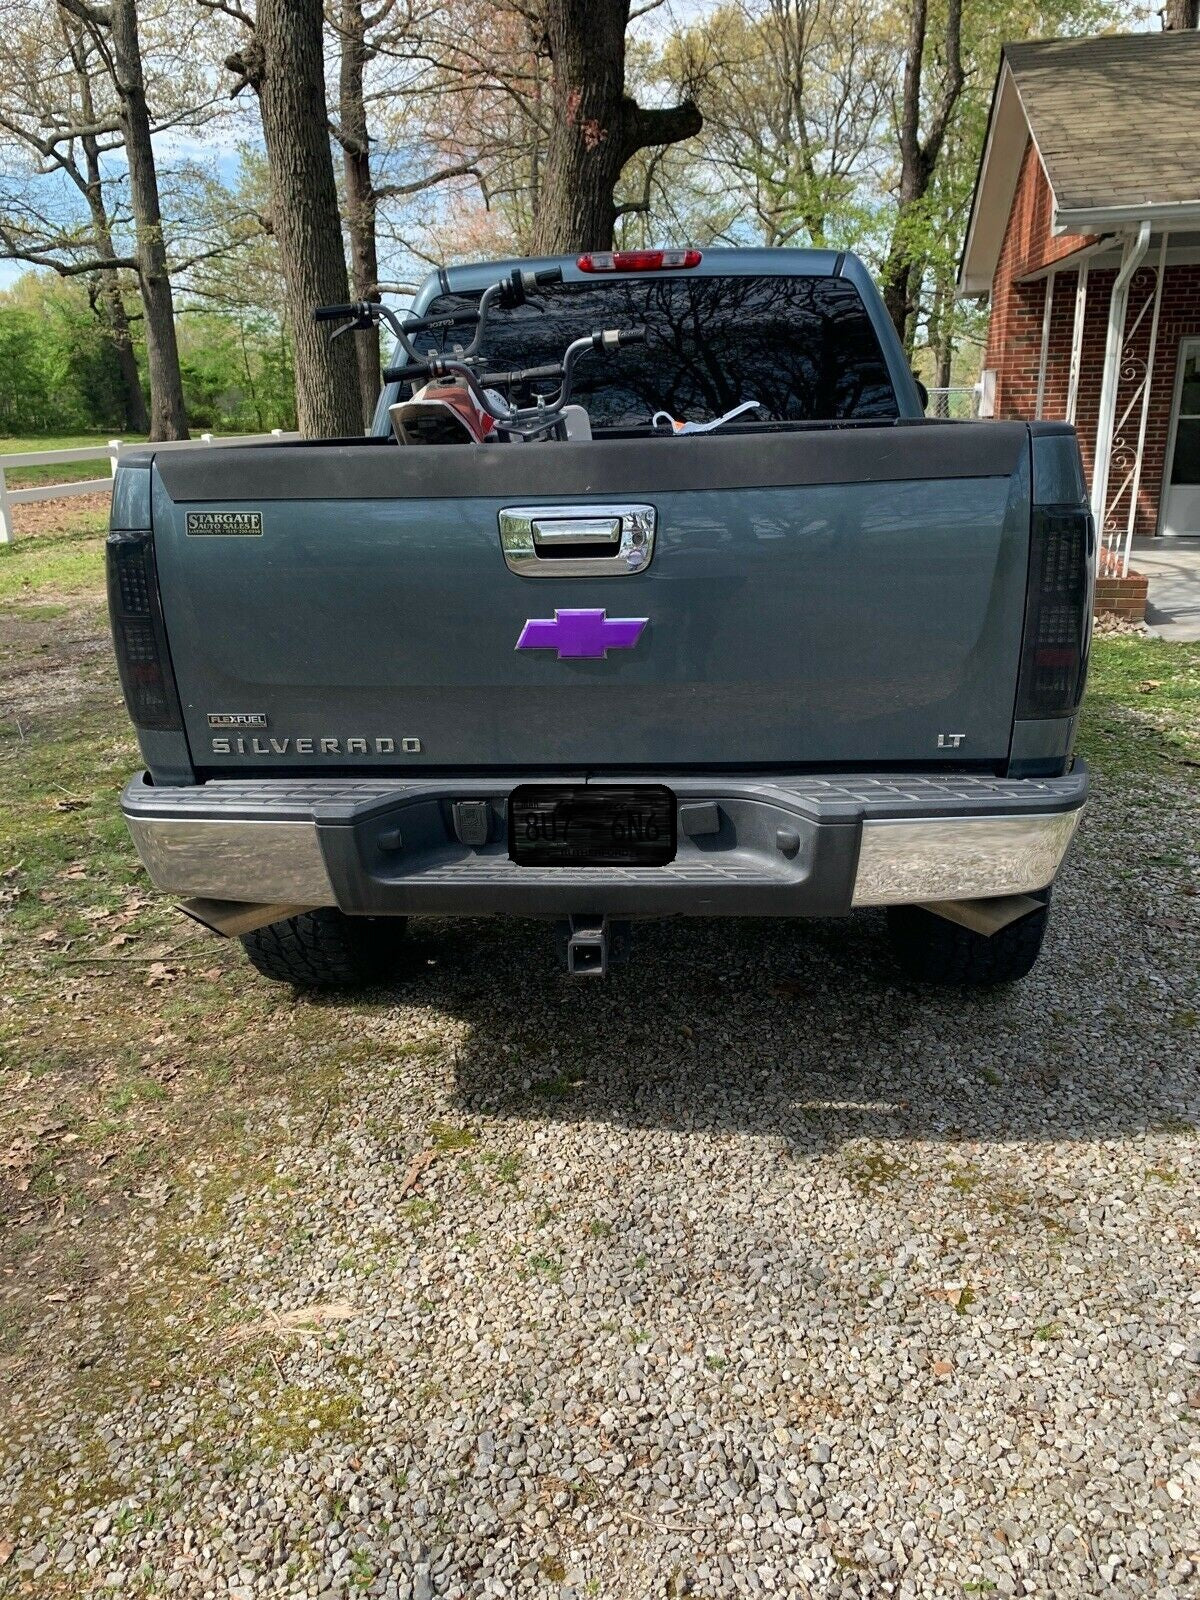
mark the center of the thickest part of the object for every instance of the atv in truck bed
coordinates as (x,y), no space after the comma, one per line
(586,666)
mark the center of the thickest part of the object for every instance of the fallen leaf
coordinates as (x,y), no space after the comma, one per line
(789,988)
(6,1549)
(50,935)
(416,1167)
(158,972)
(298,1320)
(118,941)
(70,805)
(1148,685)
(943,1368)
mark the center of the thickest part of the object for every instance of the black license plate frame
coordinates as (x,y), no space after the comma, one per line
(592,825)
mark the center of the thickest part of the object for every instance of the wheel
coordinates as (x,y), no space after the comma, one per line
(932,950)
(325,949)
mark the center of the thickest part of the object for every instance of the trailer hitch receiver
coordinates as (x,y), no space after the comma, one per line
(592,943)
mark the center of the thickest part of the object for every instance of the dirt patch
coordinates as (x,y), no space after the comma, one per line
(58,516)
(54,654)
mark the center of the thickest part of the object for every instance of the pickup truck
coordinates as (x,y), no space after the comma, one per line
(827,656)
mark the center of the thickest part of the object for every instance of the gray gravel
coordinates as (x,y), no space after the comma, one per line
(754,1271)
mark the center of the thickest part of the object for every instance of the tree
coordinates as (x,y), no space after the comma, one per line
(1181,14)
(919,148)
(792,93)
(595,127)
(50,55)
(363,39)
(114,28)
(284,63)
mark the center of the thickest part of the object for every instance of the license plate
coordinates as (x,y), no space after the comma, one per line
(619,825)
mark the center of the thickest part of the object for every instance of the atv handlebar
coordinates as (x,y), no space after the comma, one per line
(508,293)
(600,339)
(335,313)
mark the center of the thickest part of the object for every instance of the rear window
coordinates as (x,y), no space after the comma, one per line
(803,347)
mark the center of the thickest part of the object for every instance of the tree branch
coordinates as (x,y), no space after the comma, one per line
(666,125)
(398,191)
(231,9)
(65,269)
(96,16)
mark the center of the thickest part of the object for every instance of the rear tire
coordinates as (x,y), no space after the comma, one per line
(325,949)
(932,950)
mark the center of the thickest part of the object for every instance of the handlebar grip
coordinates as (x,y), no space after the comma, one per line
(614,338)
(405,374)
(333,313)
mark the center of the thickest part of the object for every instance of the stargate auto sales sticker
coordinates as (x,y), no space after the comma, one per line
(235,522)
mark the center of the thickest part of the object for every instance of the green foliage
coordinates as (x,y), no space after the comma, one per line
(237,372)
(61,373)
(60,368)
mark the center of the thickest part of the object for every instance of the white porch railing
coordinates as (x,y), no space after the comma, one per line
(62,491)
(960,400)
(1128,381)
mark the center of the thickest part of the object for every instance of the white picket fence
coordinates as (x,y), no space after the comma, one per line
(63,491)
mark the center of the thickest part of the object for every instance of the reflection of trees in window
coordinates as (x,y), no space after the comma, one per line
(803,347)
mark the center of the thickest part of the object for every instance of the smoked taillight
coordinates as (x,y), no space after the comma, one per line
(637,260)
(1058,612)
(139,637)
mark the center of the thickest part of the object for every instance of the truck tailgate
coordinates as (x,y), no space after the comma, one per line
(824,597)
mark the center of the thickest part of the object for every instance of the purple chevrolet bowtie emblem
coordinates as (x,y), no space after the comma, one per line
(581,634)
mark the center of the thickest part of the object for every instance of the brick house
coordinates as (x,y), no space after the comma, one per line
(1084,234)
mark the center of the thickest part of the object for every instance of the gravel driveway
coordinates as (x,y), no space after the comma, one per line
(752,1271)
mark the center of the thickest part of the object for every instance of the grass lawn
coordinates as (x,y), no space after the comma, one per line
(1142,711)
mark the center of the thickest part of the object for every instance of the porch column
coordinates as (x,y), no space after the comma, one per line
(1077,339)
(1131,259)
(1046,309)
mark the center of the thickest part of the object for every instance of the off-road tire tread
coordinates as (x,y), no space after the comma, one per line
(324,949)
(932,950)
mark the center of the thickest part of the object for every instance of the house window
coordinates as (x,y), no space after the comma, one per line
(1181,508)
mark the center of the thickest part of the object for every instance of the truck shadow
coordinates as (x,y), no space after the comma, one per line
(805,1032)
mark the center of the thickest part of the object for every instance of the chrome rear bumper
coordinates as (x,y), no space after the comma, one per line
(749,844)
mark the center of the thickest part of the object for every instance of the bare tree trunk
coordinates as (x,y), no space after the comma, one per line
(359,194)
(137,418)
(284,64)
(595,126)
(941,331)
(918,157)
(168,419)
(1181,14)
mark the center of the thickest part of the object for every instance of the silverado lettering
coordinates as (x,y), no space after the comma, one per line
(303,746)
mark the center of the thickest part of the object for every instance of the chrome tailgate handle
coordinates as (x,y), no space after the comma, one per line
(545,541)
(576,530)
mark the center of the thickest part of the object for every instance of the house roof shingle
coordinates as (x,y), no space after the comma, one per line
(1115,119)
